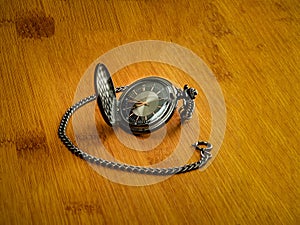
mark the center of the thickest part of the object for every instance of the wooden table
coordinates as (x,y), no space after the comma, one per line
(252,47)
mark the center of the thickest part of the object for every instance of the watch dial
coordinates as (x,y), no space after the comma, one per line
(147,104)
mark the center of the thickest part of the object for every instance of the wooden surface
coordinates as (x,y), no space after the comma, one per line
(251,46)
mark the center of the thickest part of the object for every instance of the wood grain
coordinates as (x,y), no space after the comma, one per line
(251,46)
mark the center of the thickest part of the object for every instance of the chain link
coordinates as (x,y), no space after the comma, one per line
(204,152)
(121,88)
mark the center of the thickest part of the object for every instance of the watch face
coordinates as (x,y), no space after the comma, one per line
(147,104)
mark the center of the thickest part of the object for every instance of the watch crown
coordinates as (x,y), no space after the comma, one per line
(192,92)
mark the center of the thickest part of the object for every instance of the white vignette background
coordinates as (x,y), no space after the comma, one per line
(150,51)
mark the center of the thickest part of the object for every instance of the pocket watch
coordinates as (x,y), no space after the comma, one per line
(145,105)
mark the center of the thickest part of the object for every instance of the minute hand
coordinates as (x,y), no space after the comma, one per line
(138,104)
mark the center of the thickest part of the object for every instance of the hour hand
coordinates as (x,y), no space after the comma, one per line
(140,103)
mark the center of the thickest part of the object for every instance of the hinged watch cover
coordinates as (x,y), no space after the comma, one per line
(106,95)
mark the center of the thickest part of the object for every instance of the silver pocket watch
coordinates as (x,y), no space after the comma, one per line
(145,105)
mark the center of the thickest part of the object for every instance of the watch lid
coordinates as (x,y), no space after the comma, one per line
(106,95)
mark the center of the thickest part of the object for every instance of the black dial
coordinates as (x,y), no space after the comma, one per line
(147,104)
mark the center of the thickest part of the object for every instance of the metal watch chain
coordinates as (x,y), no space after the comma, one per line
(204,151)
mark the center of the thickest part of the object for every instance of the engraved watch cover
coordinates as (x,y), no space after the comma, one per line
(106,95)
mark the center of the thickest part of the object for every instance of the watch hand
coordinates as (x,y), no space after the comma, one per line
(138,104)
